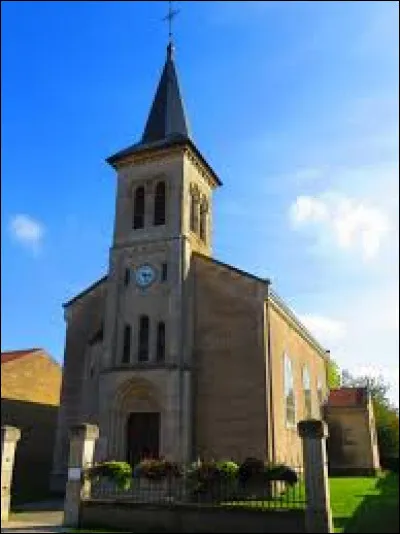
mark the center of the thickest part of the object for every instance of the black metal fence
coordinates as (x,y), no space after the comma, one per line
(255,494)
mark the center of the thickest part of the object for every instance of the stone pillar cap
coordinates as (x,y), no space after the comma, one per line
(84,431)
(10,433)
(313,429)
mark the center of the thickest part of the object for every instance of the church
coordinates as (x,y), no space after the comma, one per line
(174,353)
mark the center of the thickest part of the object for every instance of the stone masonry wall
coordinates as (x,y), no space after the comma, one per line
(229,362)
(285,337)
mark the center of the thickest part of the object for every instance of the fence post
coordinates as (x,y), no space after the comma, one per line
(9,438)
(313,433)
(81,451)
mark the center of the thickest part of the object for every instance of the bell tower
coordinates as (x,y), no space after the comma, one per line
(163,213)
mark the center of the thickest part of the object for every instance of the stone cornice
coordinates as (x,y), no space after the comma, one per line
(152,154)
(285,312)
(84,292)
(200,167)
(148,156)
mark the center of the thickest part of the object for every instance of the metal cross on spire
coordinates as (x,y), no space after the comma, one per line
(169,17)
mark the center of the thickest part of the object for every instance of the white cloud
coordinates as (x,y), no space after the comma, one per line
(27,231)
(361,329)
(306,208)
(325,329)
(351,224)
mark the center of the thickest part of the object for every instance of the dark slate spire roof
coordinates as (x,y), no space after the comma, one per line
(167,124)
(167,116)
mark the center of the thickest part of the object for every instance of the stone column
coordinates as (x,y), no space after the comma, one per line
(9,438)
(313,433)
(81,452)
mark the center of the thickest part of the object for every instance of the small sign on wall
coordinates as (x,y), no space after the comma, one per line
(74,473)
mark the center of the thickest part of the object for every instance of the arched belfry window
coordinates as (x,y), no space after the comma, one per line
(290,404)
(194,209)
(203,219)
(138,208)
(159,204)
(307,393)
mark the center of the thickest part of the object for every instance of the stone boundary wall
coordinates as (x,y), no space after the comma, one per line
(187,518)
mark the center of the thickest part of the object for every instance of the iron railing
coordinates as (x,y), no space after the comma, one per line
(268,494)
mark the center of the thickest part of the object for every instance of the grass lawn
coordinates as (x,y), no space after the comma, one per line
(365,504)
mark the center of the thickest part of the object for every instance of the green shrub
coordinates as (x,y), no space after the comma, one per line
(228,469)
(118,472)
(203,476)
(255,471)
(251,469)
(157,469)
(390,463)
(280,472)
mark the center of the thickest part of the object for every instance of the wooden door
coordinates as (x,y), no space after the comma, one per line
(143,436)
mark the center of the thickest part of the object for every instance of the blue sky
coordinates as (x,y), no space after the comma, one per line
(295,104)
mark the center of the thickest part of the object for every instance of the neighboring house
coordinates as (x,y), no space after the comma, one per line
(352,443)
(30,396)
(173,352)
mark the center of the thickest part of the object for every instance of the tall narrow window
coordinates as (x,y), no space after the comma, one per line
(159,204)
(194,210)
(127,277)
(307,393)
(143,355)
(138,208)
(164,272)
(126,354)
(203,221)
(161,341)
(289,392)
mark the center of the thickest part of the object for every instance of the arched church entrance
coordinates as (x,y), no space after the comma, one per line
(137,421)
(142,436)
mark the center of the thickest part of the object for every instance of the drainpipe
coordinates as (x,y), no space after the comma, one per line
(271,422)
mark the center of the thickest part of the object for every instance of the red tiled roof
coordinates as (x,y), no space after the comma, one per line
(11,355)
(347,397)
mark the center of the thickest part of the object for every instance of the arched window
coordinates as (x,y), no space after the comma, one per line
(307,393)
(194,209)
(159,204)
(289,392)
(161,341)
(126,352)
(138,208)
(203,220)
(143,349)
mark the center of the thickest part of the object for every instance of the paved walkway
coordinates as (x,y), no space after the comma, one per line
(43,516)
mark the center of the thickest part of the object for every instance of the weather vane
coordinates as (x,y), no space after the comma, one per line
(169,17)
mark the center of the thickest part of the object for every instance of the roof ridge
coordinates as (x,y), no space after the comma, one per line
(35,349)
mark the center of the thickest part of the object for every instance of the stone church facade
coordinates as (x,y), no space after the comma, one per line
(174,353)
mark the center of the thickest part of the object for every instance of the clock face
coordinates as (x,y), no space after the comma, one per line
(145,275)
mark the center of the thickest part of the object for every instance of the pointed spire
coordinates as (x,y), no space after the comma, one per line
(167,116)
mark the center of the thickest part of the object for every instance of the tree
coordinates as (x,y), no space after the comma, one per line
(386,415)
(376,386)
(333,375)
